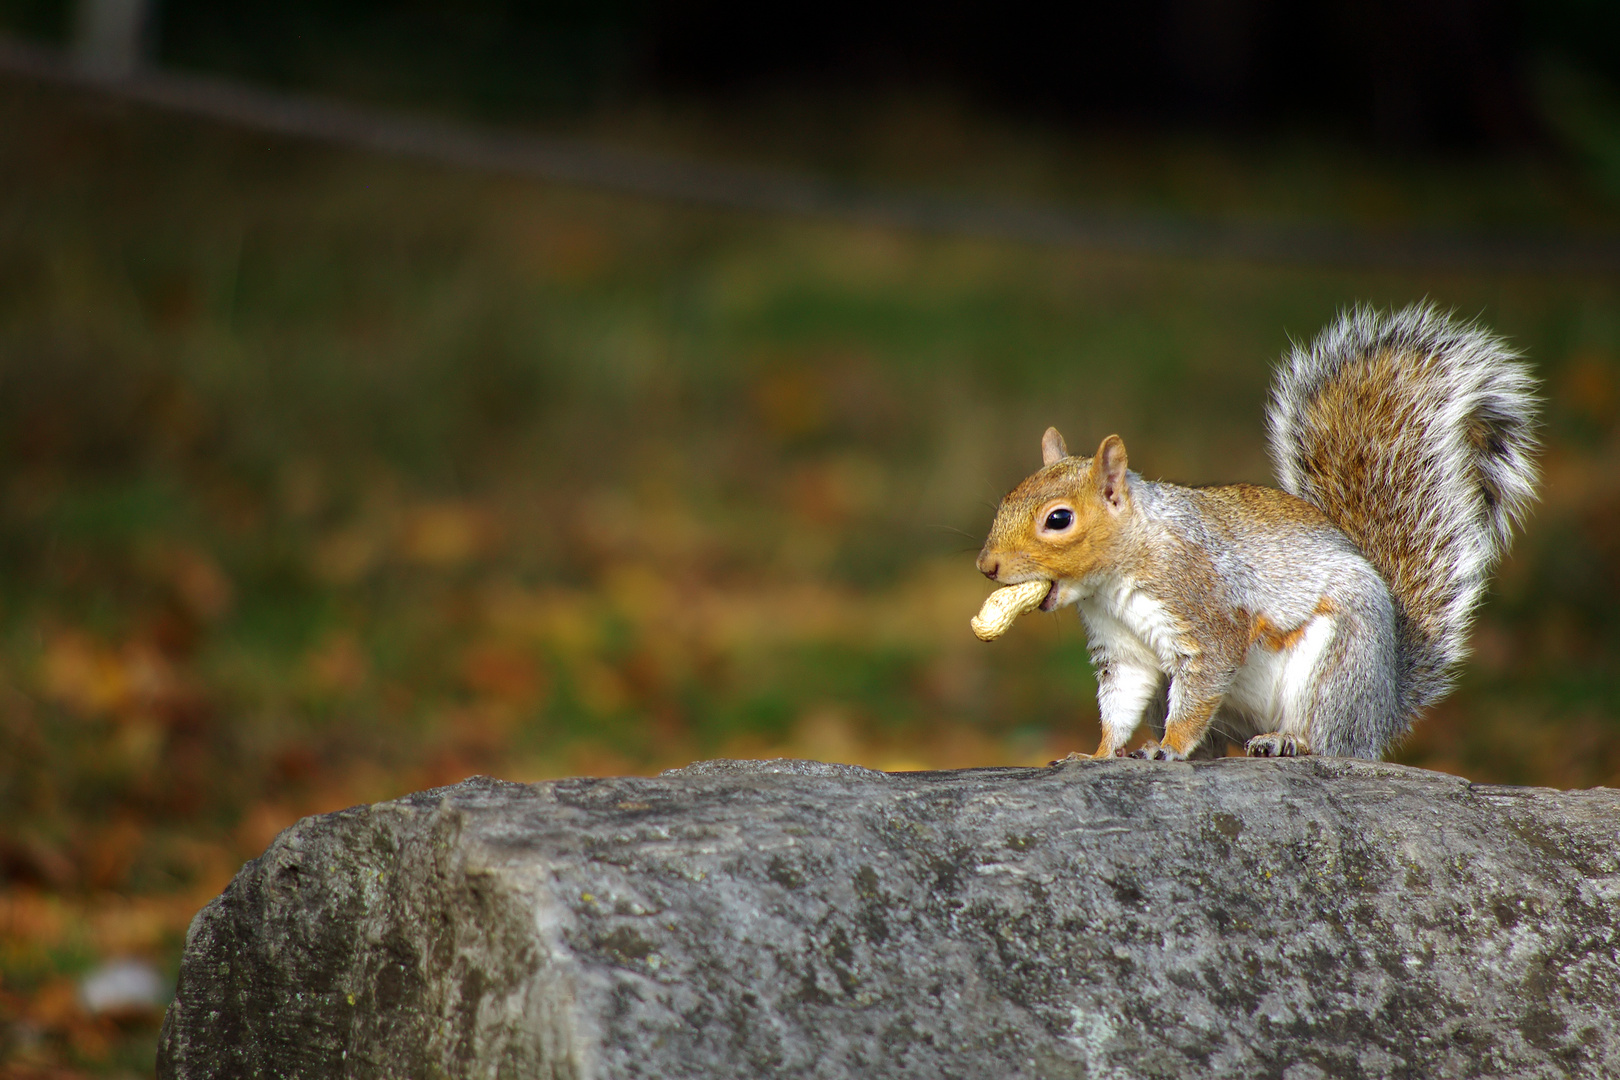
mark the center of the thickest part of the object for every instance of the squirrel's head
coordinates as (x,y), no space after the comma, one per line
(1062,523)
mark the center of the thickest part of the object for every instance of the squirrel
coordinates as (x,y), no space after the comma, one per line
(1321,618)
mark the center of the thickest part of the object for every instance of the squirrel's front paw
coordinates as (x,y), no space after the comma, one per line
(1276,744)
(1153,750)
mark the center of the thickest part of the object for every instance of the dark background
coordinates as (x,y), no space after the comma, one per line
(1412,73)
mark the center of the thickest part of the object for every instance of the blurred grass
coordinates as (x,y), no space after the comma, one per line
(326,477)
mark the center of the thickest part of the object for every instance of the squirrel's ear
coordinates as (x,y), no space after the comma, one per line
(1052,447)
(1109,466)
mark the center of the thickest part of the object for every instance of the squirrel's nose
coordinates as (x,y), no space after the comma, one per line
(989,566)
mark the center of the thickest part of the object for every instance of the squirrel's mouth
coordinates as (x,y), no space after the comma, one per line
(1051,600)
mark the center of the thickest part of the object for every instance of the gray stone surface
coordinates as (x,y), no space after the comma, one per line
(1295,919)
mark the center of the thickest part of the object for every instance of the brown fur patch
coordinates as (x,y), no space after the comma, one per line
(1273,638)
(1256,503)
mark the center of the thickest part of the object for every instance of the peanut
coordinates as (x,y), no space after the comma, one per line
(1005,605)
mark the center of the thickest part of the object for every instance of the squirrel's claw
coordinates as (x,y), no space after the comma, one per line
(1153,750)
(1276,744)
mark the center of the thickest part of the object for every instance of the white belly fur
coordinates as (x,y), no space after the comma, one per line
(1131,626)
(1272,689)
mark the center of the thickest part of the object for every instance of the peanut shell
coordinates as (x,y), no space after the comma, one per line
(1004,606)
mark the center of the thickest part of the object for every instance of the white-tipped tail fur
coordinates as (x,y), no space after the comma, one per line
(1416,434)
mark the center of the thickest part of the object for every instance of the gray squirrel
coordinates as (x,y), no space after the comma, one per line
(1322,618)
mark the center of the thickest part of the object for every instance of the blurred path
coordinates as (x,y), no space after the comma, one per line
(775,191)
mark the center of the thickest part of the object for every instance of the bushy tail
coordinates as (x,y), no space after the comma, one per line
(1416,435)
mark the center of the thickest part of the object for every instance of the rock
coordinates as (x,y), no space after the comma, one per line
(1301,918)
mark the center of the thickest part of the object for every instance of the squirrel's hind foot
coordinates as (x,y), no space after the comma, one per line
(1277,744)
(1153,750)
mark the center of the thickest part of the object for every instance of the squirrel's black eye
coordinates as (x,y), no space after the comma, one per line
(1059,519)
